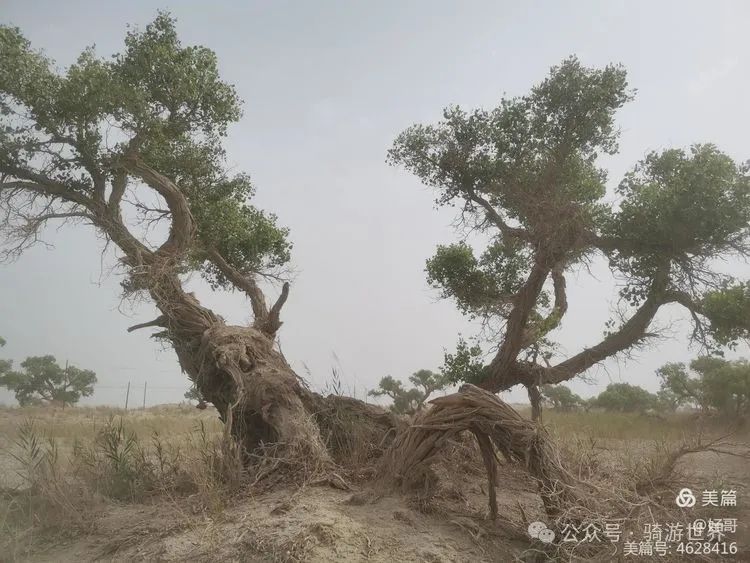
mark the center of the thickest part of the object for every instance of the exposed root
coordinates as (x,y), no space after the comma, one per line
(356,434)
(496,427)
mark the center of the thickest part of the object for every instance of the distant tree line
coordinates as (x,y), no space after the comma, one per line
(710,384)
(409,401)
(42,381)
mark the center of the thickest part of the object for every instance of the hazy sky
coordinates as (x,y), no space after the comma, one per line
(327,87)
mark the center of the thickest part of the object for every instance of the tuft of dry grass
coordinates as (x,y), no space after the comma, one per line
(61,480)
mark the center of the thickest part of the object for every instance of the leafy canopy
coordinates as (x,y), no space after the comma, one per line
(43,381)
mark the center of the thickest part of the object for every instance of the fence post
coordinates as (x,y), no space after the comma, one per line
(145,383)
(127,396)
(67,381)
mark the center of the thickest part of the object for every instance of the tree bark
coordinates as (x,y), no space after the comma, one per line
(259,397)
(257,394)
(535,398)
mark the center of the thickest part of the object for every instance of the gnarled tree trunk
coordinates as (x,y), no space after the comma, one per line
(259,397)
(237,369)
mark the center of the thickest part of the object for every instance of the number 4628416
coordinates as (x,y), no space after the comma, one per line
(707,548)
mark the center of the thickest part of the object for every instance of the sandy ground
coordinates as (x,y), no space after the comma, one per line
(313,524)
(322,524)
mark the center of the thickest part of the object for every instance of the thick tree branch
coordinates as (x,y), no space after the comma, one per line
(245,283)
(109,220)
(494,217)
(635,329)
(551,321)
(561,297)
(183,228)
(160,321)
(685,300)
(265,320)
(517,320)
(119,184)
(273,322)
(628,335)
(39,219)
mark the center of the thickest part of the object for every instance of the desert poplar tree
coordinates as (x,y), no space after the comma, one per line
(123,143)
(526,176)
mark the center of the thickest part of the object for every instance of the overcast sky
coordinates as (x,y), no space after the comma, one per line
(327,87)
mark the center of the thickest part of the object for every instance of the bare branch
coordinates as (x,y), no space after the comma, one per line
(272,323)
(37,183)
(160,321)
(37,186)
(494,217)
(183,228)
(491,213)
(25,213)
(696,312)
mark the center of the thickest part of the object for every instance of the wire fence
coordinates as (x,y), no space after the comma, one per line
(140,394)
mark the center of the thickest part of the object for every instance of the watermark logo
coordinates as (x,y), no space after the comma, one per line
(685,498)
(540,531)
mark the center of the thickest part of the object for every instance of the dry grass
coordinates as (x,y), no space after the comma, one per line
(580,482)
(84,422)
(602,425)
(61,469)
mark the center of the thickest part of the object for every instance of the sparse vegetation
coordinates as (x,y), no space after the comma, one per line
(62,477)
(67,470)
